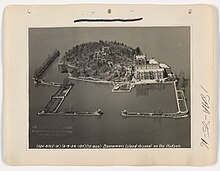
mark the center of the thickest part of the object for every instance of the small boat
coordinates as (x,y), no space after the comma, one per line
(116,87)
(98,112)
(124,112)
(41,112)
(159,113)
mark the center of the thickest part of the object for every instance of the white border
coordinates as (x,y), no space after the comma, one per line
(214,167)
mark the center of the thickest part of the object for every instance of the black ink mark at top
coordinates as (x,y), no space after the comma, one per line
(108,20)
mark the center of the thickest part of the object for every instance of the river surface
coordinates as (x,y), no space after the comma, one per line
(111,128)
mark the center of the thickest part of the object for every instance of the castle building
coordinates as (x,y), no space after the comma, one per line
(150,69)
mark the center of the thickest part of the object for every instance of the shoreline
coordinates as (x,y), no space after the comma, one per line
(92,80)
(131,85)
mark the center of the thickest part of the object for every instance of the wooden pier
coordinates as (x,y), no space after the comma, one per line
(126,113)
(122,88)
(46,83)
(56,100)
(43,69)
(74,113)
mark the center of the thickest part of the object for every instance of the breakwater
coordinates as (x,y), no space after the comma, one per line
(56,100)
(182,109)
(49,61)
(75,113)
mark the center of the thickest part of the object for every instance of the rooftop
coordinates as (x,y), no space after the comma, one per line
(163,65)
(152,61)
(140,57)
(152,69)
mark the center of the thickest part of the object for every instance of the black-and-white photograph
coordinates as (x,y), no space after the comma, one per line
(109,87)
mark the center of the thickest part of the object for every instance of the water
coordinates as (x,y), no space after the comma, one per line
(91,96)
(111,128)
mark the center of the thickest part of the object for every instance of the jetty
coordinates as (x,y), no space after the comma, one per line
(182,110)
(42,81)
(98,112)
(176,115)
(48,63)
(123,88)
(56,100)
(181,100)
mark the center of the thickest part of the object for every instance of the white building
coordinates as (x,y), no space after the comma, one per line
(149,69)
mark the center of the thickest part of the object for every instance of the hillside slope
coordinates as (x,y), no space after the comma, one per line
(102,60)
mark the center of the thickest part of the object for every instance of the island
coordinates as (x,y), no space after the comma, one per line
(110,62)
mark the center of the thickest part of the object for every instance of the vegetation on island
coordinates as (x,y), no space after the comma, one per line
(103,60)
(181,81)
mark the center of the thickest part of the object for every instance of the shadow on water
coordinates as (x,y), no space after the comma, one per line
(143,89)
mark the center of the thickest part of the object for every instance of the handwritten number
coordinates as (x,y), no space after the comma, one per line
(204,143)
(205,104)
(206,127)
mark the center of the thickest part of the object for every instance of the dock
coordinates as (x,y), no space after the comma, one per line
(176,115)
(41,81)
(181,100)
(56,100)
(44,68)
(98,112)
(182,110)
(122,88)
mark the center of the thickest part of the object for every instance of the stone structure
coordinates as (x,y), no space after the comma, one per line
(150,69)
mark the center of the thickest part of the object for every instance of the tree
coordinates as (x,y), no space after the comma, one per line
(181,80)
(74,72)
(65,82)
(133,52)
(138,51)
